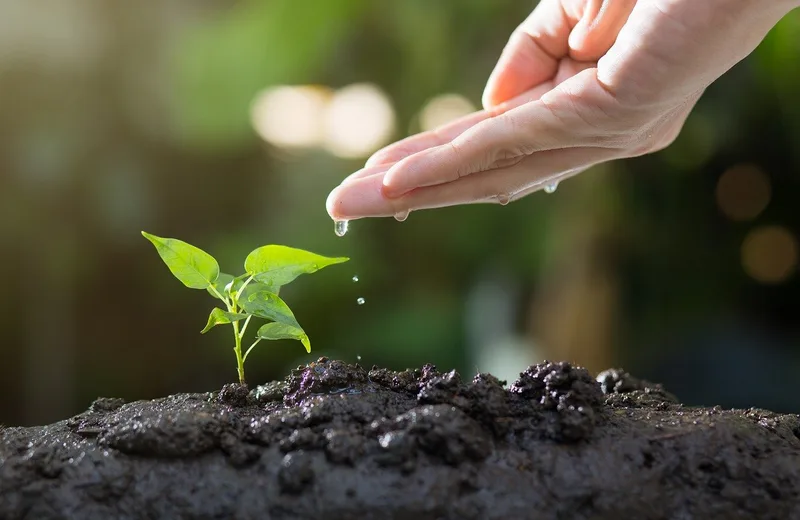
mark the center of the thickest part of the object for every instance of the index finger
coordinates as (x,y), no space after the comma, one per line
(446,133)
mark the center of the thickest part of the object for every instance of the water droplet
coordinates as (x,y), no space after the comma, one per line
(401,215)
(551,187)
(340,227)
(355,278)
(361,301)
(503,199)
(358,357)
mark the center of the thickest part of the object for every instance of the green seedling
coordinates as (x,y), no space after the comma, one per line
(253,294)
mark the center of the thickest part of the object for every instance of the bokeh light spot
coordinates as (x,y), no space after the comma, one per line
(358,121)
(443,109)
(743,192)
(290,116)
(769,254)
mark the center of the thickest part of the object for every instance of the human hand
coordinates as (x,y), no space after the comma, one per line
(579,83)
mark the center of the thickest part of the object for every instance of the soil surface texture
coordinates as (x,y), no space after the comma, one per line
(336,441)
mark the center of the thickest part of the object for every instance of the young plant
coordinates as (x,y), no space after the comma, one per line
(253,294)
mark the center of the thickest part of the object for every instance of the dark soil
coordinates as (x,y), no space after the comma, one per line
(335,441)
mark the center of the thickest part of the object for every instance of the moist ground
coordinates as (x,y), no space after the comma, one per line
(336,441)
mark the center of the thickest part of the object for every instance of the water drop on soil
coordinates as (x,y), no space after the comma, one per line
(551,187)
(340,227)
(361,301)
(401,215)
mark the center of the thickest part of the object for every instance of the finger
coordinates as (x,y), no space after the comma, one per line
(485,146)
(598,27)
(367,172)
(494,143)
(446,133)
(365,197)
(531,55)
(359,198)
(507,184)
(415,143)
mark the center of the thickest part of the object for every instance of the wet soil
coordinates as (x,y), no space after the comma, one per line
(336,441)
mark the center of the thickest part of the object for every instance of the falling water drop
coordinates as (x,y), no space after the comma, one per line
(400,216)
(551,187)
(503,199)
(340,227)
(358,357)
(355,278)
(361,301)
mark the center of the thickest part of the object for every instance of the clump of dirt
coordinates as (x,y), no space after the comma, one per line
(336,441)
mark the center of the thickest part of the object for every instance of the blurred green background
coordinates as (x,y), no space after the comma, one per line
(226,123)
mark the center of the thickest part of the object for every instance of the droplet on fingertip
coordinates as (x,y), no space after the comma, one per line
(551,187)
(503,199)
(400,216)
(340,227)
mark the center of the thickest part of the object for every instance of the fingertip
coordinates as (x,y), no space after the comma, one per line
(360,198)
(388,154)
(579,47)
(333,203)
(375,159)
(486,100)
(404,176)
(392,188)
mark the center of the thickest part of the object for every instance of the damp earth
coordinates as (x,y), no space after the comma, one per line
(338,441)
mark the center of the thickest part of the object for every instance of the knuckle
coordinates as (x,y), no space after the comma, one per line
(477,150)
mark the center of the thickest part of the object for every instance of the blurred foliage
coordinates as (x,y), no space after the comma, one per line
(141,120)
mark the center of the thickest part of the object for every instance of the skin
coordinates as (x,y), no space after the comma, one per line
(580,82)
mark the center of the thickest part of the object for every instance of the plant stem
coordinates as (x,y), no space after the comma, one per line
(237,349)
(241,289)
(218,295)
(244,326)
(251,348)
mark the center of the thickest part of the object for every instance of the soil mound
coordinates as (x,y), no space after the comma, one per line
(335,441)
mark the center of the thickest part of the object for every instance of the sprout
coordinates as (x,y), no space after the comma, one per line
(253,294)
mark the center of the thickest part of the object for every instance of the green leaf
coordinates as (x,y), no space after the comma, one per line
(284,331)
(191,265)
(220,317)
(278,265)
(256,287)
(269,306)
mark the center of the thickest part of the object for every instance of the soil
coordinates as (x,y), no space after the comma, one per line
(336,441)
